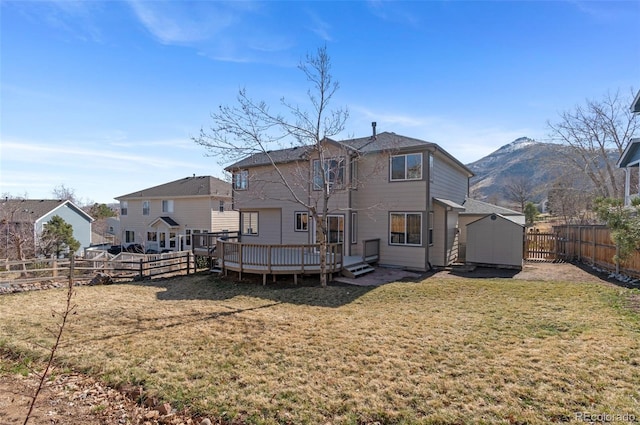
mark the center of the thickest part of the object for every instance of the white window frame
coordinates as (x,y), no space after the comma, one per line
(252,228)
(124,207)
(146,207)
(167,205)
(405,234)
(334,169)
(241,180)
(299,224)
(406,170)
(129,236)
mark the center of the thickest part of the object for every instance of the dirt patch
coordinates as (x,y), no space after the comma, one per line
(75,399)
(566,272)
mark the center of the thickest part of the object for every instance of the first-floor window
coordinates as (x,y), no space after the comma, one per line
(152,236)
(129,236)
(172,239)
(405,229)
(187,237)
(302,221)
(249,223)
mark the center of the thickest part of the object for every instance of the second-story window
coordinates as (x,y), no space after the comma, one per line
(221,206)
(333,173)
(241,180)
(124,206)
(167,206)
(145,207)
(406,167)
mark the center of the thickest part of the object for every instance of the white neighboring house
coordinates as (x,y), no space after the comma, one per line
(164,217)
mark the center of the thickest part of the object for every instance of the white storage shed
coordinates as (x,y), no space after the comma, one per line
(496,241)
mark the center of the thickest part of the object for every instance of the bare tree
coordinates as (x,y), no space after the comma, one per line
(16,230)
(519,190)
(597,132)
(570,200)
(250,128)
(65,193)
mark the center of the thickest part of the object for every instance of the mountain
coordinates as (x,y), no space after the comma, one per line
(537,162)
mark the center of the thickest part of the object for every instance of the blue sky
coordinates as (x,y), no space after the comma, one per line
(104,97)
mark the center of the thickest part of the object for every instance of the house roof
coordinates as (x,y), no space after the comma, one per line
(167,220)
(450,204)
(279,156)
(473,206)
(630,154)
(186,187)
(381,142)
(31,210)
(635,105)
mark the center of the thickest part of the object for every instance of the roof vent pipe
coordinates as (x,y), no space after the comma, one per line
(373,127)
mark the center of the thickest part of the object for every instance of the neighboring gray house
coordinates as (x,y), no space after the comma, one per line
(404,191)
(164,217)
(630,161)
(37,212)
(475,210)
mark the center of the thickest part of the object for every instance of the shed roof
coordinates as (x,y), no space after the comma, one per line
(31,210)
(186,187)
(474,206)
(494,217)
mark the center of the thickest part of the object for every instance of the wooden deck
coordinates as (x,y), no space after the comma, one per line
(227,253)
(277,259)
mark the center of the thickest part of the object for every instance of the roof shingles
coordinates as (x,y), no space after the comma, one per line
(189,186)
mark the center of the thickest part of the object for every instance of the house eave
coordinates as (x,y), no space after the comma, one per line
(635,105)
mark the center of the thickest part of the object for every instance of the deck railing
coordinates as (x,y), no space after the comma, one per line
(277,259)
(207,241)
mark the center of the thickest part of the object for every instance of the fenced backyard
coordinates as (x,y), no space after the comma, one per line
(124,266)
(588,244)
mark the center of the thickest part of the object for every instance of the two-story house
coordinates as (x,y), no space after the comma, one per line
(164,217)
(403,191)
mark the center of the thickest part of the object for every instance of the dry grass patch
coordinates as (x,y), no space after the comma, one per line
(438,351)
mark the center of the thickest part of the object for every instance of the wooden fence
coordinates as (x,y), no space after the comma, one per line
(125,266)
(584,243)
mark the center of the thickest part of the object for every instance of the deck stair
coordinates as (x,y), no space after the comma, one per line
(357,269)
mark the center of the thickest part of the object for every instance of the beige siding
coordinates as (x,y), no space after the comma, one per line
(375,197)
(449,181)
(436,253)
(200,213)
(269,227)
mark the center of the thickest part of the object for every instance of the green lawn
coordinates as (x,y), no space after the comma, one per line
(440,351)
